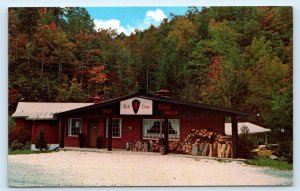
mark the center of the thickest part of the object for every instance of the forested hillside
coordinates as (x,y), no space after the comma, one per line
(237,57)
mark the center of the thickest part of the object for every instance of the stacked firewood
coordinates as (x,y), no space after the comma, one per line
(207,143)
(223,138)
(173,146)
(155,146)
(151,145)
(195,137)
(223,146)
(139,146)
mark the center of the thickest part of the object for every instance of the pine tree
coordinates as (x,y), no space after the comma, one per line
(41,142)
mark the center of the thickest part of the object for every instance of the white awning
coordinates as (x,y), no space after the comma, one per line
(252,128)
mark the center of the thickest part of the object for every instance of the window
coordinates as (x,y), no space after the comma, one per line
(116,128)
(153,128)
(74,127)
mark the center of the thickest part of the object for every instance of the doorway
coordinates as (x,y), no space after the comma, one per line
(94,125)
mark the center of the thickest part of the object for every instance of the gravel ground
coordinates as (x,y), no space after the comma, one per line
(123,168)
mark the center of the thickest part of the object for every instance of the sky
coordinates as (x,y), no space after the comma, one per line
(127,19)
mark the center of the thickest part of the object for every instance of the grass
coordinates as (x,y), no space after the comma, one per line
(22,152)
(267,162)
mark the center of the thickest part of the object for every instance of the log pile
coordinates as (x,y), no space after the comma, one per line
(139,146)
(154,145)
(208,143)
(173,146)
(151,145)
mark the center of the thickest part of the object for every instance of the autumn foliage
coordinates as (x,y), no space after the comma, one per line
(237,57)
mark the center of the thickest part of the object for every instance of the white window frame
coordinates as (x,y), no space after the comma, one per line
(178,133)
(161,135)
(156,136)
(120,123)
(70,126)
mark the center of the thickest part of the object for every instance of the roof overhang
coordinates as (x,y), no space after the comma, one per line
(252,128)
(225,111)
(43,110)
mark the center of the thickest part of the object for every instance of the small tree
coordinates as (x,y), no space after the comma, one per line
(11,123)
(41,142)
(245,143)
(285,150)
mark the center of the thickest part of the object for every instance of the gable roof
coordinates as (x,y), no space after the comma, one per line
(252,128)
(43,110)
(157,98)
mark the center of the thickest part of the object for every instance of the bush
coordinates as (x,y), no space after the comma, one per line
(99,142)
(267,162)
(27,146)
(11,123)
(81,139)
(16,145)
(285,149)
(41,142)
(22,135)
(245,144)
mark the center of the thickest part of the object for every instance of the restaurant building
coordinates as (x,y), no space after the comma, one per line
(140,117)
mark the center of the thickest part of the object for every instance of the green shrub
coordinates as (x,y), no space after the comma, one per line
(81,139)
(16,145)
(41,142)
(245,144)
(11,123)
(22,135)
(267,162)
(285,149)
(99,142)
(27,146)
(22,152)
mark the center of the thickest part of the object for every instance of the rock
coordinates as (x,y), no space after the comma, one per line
(273,157)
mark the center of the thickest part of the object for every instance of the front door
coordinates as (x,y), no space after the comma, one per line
(93,132)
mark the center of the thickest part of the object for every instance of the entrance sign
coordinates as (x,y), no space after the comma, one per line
(136,106)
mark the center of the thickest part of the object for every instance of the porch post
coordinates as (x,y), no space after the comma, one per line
(32,132)
(62,133)
(109,134)
(234,127)
(166,135)
(88,142)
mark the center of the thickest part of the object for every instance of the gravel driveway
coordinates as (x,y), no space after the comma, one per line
(123,168)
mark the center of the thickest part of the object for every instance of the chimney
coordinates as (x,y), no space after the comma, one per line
(164,93)
(97,99)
